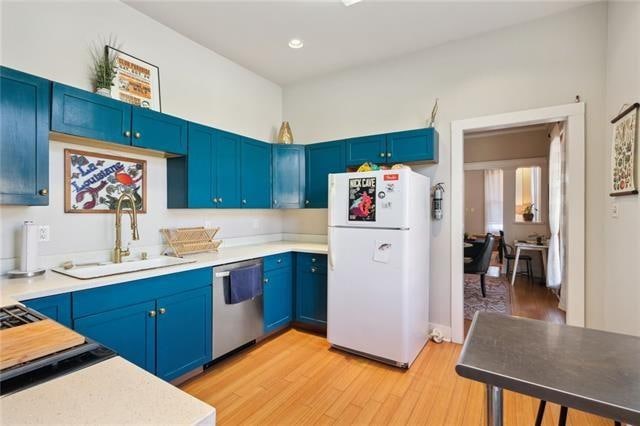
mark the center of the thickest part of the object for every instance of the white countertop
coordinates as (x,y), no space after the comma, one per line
(114,392)
(14,290)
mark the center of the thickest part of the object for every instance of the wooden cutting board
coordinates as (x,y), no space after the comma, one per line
(35,340)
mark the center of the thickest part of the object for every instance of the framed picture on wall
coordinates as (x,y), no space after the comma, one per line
(94,182)
(137,82)
(623,152)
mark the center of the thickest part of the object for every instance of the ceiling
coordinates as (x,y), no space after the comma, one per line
(255,34)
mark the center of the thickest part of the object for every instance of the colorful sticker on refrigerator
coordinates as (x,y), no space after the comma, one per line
(362,199)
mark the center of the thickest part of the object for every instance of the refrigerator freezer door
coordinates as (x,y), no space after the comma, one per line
(377,199)
(367,292)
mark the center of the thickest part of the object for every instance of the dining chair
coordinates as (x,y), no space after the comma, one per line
(480,263)
(508,254)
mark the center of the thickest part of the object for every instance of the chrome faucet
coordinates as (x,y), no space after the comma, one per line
(118,252)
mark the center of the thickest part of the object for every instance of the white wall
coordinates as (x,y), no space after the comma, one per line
(621,287)
(537,64)
(52,40)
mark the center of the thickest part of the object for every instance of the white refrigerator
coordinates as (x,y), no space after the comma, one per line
(378,272)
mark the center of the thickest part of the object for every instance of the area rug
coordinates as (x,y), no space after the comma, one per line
(498,298)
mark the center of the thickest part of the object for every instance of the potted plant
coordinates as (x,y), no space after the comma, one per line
(103,68)
(527,212)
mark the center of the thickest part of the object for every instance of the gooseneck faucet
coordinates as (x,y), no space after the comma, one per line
(118,252)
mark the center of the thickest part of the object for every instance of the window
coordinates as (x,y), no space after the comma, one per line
(493,200)
(528,188)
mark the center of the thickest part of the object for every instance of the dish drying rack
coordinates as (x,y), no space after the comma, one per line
(183,241)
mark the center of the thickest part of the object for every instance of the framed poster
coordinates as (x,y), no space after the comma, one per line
(137,82)
(623,152)
(362,199)
(93,182)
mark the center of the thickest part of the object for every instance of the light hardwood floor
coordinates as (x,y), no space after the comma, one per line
(295,378)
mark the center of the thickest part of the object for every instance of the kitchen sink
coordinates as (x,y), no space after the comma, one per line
(110,268)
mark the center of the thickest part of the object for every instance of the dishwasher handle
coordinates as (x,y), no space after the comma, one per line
(222,274)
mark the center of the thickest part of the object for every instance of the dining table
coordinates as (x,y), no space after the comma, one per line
(533,246)
(585,369)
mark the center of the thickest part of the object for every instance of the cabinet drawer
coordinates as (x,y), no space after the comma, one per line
(101,299)
(283,260)
(308,260)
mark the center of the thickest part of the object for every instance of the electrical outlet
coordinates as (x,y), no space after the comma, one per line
(614,210)
(44,233)
(207,224)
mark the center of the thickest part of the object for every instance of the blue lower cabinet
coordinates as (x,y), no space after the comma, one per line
(184,335)
(24,138)
(277,298)
(311,290)
(130,331)
(57,307)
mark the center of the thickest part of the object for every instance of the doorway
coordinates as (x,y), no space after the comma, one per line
(573,116)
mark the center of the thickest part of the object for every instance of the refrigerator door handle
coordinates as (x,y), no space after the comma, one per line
(330,254)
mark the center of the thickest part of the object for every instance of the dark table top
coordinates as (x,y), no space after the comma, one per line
(591,370)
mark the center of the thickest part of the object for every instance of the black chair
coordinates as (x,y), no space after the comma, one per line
(562,420)
(507,252)
(480,263)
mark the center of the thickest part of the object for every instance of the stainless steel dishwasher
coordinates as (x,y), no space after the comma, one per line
(238,324)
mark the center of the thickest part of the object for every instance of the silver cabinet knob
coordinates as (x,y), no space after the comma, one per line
(382,155)
(266,280)
(127,133)
(137,135)
(306,202)
(275,203)
(43,191)
(244,201)
(388,155)
(314,269)
(313,259)
(279,261)
(162,311)
(220,199)
(215,200)
(152,314)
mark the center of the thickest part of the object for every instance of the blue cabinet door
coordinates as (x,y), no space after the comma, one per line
(201,176)
(57,307)
(24,138)
(321,160)
(157,131)
(255,174)
(81,113)
(277,298)
(413,145)
(288,182)
(184,332)
(311,294)
(366,149)
(130,331)
(227,169)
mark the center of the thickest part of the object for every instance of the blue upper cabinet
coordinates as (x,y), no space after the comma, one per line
(288,186)
(161,132)
(57,307)
(184,333)
(130,331)
(227,169)
(255,174)
(321,160)
(24,138)
(80,113)
(201,176)
(366,149)
(413,145)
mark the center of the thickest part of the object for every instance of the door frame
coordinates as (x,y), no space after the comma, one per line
(574,116)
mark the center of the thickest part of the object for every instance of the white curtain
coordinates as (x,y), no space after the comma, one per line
(556,253)
(493,201)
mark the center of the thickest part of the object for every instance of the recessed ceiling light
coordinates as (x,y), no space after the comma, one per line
(350,2)
(296,43)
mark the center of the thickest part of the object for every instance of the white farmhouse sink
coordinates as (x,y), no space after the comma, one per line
(110,268)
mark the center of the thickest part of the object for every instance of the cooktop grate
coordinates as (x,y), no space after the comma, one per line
(15,316)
